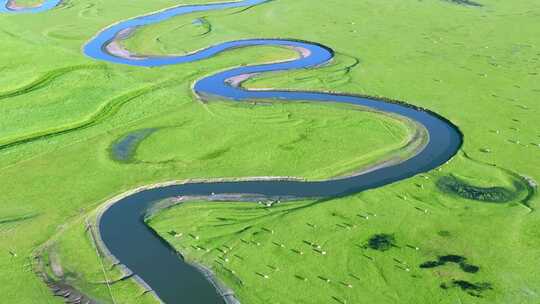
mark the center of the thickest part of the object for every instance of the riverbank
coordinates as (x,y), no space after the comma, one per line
(28,6)
(14,5)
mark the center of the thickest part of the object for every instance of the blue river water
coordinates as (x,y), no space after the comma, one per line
(45,6)
(135,245)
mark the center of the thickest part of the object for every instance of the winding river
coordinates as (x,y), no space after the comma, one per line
(10,6)
(136,246)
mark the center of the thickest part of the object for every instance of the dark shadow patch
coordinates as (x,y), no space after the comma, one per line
(290,145)
(444,233)
(465,2)
(451,258)
(301,278)
(453,185)
(341,301)
(215,154)
(469,268)
(473,289)
(15,219)
(382,242)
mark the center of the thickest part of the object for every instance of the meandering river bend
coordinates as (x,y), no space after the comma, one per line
(11,6)
(122,228)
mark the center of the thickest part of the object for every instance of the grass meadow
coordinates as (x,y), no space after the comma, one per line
(475,65)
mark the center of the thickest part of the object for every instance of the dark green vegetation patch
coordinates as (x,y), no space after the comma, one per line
(382,242)
(474,289)
(15,219)
(452,184)
(465,2)
(451,258)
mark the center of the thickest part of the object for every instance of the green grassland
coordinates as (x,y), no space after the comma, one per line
(244,242)
(62,112)
(477,66)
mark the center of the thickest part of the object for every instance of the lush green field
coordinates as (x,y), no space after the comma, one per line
(477,66)
(244,242)
(62,112)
